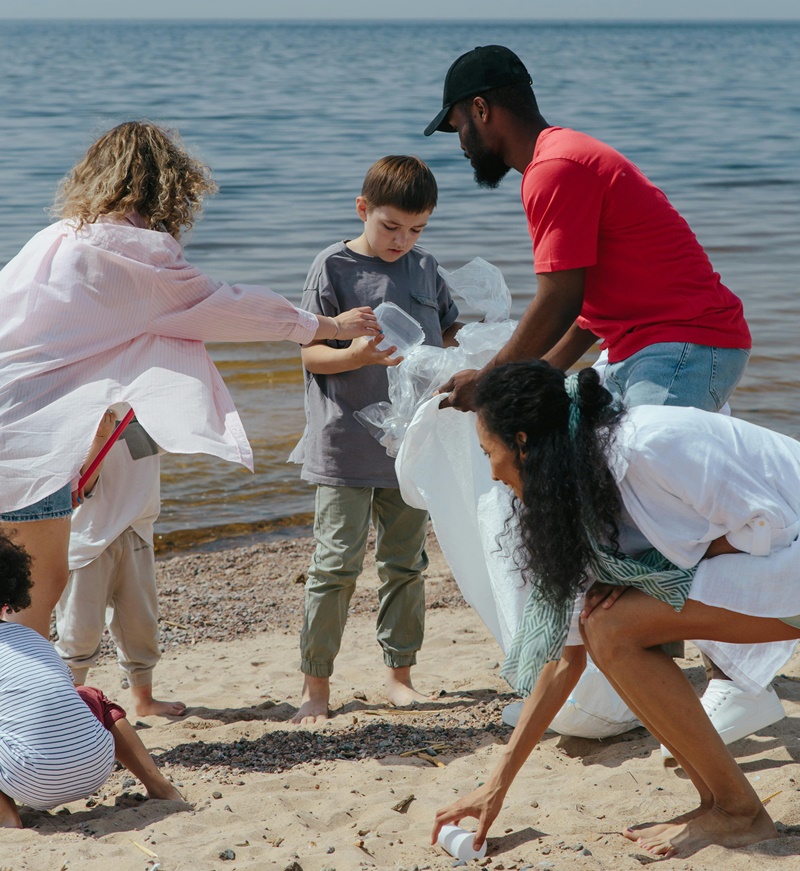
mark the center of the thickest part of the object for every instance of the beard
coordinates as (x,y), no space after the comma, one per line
(489,167)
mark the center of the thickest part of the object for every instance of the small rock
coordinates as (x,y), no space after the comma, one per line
(362,697)
(227,855)
(331,850)
(293,866)
(128,783)
(216,794)
(546,850)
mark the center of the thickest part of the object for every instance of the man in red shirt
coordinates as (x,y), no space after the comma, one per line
(615,261)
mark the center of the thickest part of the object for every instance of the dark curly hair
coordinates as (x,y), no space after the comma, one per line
(569,496)
(15,576)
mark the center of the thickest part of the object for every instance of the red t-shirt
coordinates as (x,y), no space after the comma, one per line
(648,279)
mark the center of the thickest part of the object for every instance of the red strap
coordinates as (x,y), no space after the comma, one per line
(105,449)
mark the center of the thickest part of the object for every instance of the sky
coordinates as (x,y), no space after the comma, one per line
(671,10)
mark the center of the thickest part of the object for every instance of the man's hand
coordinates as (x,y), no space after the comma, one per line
(484,804)
(461,388)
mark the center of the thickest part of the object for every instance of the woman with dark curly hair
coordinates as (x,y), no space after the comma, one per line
(57,743)
(101,307)
(687,523)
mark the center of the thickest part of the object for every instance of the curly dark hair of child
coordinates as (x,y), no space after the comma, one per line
(15,576)
(569,496)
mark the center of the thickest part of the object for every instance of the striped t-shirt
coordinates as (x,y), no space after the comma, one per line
(52,748)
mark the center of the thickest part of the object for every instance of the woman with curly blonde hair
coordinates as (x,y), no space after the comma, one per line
(101,307)
(136,167)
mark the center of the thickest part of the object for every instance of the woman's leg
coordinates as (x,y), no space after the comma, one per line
(47,544)
(621,641)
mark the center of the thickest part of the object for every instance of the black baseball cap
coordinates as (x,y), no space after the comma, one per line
(484,68)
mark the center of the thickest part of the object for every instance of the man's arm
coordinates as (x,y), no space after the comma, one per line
(544,324)
(575,343)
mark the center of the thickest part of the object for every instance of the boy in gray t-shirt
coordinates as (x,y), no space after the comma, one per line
(354,476)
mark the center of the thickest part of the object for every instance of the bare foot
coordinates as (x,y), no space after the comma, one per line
(146,706)
(9,816)
(649,830)
(399,689)
(314,704)
(156,708)
(716,827)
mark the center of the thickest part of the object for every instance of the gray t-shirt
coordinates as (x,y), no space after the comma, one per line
(338,450)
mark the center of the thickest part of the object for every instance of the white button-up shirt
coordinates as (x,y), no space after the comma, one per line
(114,313)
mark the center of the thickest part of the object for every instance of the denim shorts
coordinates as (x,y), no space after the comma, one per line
(678,373)
(59,504)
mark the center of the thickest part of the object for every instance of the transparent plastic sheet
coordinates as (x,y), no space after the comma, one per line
(482,286)
(425,369)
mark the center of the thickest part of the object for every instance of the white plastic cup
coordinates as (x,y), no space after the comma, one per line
(398,328)
(458,843)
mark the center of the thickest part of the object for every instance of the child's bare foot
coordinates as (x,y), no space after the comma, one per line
(399,690)
(9,816)
(314,704)
(146,706)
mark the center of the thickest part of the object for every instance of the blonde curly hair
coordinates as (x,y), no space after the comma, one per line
(136,167)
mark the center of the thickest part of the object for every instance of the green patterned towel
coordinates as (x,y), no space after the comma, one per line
(543,629)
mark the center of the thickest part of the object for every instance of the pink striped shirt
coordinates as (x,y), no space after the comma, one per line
(114,313)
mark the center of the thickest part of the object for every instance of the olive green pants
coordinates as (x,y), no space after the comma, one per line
(341,526)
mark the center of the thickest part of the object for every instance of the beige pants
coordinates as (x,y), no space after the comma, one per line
(117,589)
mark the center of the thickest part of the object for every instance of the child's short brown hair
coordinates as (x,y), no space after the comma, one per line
(401,181)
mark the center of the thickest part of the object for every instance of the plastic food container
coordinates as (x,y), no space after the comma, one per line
(399,329)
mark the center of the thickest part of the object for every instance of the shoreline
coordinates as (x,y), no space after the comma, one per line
(229,536)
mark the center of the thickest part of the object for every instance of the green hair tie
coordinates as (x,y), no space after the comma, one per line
(573,391)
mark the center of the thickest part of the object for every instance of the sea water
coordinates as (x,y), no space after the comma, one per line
(290,116)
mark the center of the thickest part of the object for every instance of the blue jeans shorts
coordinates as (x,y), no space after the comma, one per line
(59,504)
(678,373)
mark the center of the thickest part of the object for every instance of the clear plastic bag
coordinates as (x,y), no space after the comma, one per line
(425,368)
(384,424)
(482,286)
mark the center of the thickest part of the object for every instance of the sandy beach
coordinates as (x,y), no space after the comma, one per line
(360,791)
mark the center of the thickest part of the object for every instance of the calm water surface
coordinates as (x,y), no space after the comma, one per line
(289,116)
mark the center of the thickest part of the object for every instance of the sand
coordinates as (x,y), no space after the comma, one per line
(267,795)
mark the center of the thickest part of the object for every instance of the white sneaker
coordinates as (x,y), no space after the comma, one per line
(735,713)
(511,712)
